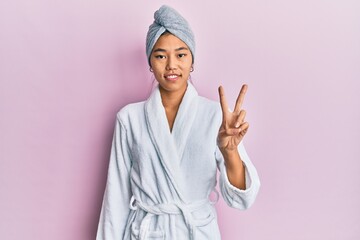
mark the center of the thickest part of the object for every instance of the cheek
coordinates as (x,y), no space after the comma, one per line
(156,67)
(155,63)
(187,64)
(187,67)
(158,71)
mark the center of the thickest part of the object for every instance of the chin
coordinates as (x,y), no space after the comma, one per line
(173,86)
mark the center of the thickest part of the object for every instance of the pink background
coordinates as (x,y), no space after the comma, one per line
(67,67)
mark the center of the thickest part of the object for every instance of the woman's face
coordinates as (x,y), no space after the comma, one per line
(171,61)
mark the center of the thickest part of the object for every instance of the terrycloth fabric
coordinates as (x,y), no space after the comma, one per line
(167,18)
(159,182)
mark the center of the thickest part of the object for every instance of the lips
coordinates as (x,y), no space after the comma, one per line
(171,77)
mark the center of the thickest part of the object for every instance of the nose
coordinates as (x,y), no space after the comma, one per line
(171,63)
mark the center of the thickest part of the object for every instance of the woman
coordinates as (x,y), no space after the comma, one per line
(166,150)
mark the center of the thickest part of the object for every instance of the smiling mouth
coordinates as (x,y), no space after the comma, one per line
(172,77)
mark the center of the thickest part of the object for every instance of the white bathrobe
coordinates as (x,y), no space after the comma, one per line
(159,182)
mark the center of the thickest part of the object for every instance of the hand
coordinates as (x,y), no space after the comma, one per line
(233,127)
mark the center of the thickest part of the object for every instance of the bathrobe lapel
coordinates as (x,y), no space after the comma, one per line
(185,119)
(170,146)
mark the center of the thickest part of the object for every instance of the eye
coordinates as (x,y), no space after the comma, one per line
(182,55)
(160,56)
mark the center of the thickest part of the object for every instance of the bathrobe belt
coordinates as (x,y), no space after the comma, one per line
(174,209)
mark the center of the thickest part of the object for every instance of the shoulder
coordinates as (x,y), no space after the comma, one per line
(130,111)
(210,107)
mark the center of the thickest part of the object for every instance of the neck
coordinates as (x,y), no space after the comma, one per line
(171,100)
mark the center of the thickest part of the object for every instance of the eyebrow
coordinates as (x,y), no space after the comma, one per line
(163,50)
(181,48)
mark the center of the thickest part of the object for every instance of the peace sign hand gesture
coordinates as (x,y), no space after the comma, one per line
(233,127)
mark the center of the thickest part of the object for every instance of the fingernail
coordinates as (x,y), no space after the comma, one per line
(237,124)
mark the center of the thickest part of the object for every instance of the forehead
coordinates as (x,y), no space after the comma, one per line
(169,41)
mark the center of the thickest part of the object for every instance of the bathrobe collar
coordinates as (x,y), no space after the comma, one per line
(170,145)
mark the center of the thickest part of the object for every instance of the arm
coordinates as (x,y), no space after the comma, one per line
(235,169)
(115,205)
(235,197)
(239,181)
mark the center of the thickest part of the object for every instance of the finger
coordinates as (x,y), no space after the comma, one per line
(232,131)
(243,128)
(240,98)
(223,102)
(240,118)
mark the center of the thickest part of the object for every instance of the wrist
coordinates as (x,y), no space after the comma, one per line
(232,159)
(229,153)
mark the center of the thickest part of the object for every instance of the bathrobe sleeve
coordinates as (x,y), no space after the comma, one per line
(115,206)
(233,196)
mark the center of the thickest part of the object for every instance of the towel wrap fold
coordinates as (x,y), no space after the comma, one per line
(168,19)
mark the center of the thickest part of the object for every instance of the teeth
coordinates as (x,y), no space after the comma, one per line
(172,76)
